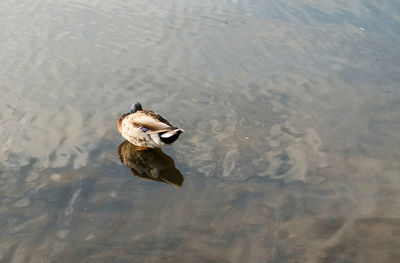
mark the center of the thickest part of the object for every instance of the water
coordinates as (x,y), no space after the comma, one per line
(291,112)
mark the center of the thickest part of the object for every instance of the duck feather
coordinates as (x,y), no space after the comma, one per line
(147,128)
(150,120)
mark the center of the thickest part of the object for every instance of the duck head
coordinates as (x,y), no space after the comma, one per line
(135,107)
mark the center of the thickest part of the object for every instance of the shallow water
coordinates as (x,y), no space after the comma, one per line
(291,112)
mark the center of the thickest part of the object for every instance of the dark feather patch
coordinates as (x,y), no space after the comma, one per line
(157,116)
(170,139)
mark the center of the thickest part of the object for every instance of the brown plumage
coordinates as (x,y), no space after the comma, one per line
(147,128)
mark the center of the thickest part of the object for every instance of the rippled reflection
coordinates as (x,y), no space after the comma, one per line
(152,164)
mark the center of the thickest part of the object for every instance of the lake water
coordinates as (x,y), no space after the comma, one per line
(291,112)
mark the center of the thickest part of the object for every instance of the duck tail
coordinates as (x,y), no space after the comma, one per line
(172,133)
(171,136)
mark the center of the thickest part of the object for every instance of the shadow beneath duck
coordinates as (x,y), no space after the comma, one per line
(152,164)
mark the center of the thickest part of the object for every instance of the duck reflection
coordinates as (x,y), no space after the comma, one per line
(152,164)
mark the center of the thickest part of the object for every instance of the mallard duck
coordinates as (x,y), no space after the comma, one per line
(147,129)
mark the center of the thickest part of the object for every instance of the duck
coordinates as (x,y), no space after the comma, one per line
(147,129)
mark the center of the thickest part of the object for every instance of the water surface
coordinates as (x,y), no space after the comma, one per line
(291,118)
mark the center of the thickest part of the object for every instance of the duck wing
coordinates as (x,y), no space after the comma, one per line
(150,120)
